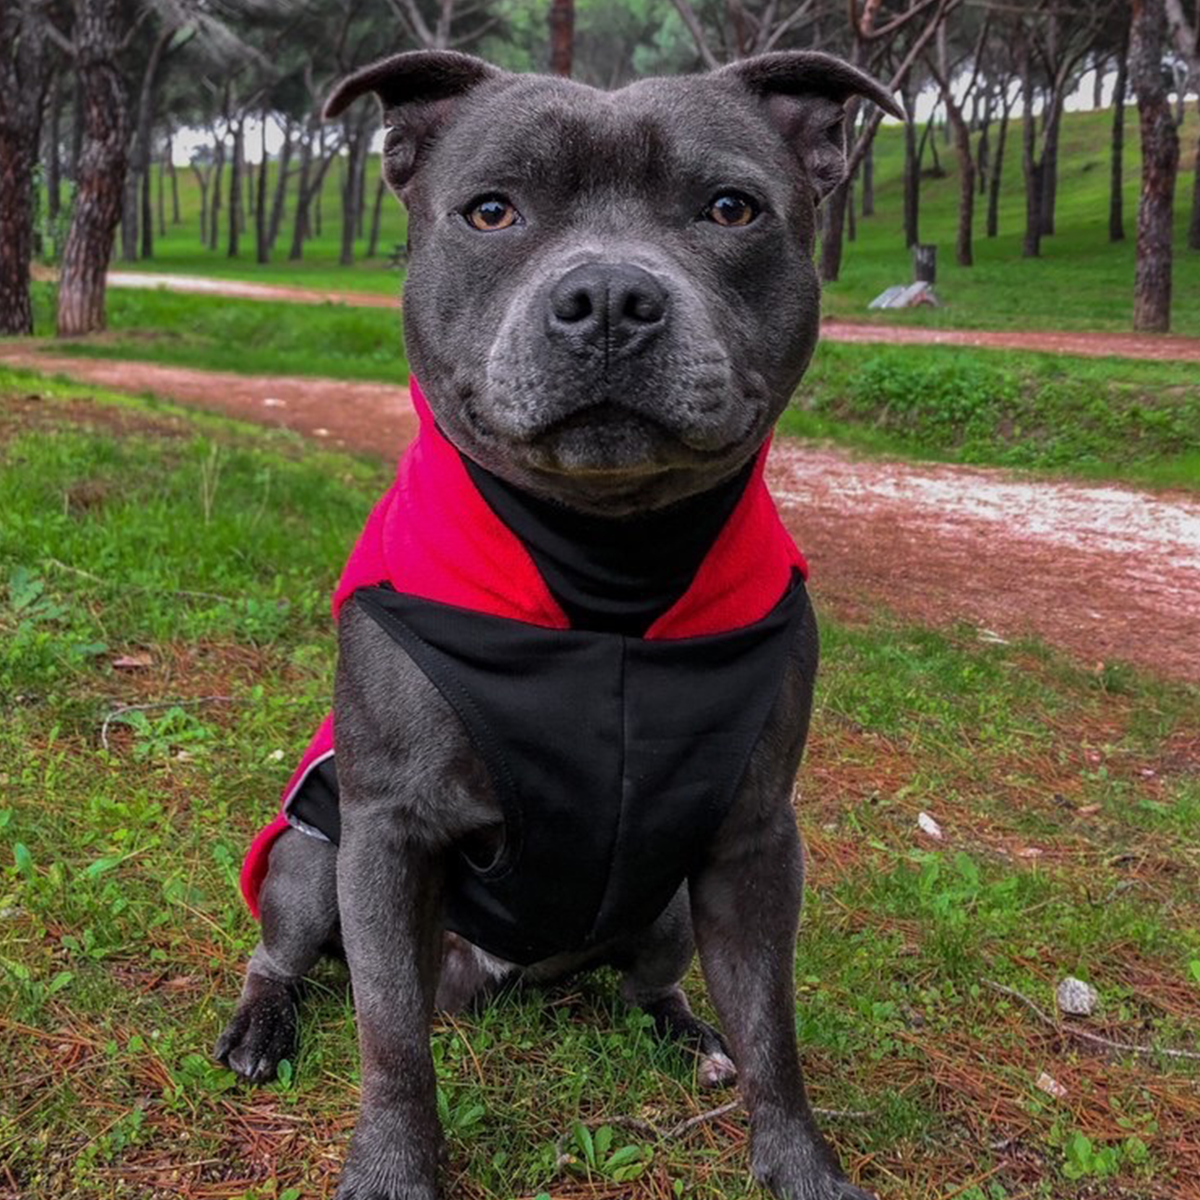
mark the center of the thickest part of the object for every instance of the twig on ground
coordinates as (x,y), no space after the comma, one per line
(133,587)
(127,708)
(1084,1035)
(657,1134)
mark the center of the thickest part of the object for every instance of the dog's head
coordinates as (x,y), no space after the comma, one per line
(611,295)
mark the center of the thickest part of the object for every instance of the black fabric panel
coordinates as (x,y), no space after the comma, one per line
(614,575)
(316,801)
(615,759)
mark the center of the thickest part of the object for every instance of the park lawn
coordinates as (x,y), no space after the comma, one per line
(1099,418)
(202,551)
(252,337)
(1114,419)
(1082,281)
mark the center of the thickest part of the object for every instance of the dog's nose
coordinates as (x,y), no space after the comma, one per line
(614,306)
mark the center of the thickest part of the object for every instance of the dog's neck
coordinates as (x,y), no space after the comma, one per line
(614,575)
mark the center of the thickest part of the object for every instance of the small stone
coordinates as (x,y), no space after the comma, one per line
(930,827)
(1076,998)
(1051,1086)
(274,402)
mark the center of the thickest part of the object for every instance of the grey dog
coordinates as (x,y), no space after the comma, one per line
(610,418)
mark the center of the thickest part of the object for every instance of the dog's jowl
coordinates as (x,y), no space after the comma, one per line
(576,653)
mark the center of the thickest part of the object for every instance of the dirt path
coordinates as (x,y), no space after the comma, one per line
(1089,345)
(1106,573)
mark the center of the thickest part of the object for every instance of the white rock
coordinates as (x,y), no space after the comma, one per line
(929,826)
(1076,998)
(1051,1086)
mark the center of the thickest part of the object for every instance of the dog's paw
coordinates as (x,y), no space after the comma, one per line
(260,1036)
(799,1166)
(382,1177)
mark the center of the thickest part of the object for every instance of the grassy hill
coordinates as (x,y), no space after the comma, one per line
(1081,282)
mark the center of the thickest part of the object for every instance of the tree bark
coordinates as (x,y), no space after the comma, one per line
(161,198)
(868,181)
(54,151)
(22,70)
(1116,195)
(562,36)
(1032,245)
(833,225)
(102,165)
(1049,165)
(129,214)
(966,186)
(350,195)
(144,137)
(997,174)
(202,183)
(1160,166)
(302,196)
(176,219)
(280,198)
(235,185)
(1193,239)
(912,177)
(262,246)
(214,208)
(376,215)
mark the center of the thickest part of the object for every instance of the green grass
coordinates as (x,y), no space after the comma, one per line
(1081,282)
(206,550)
(1096,418)
(248,336)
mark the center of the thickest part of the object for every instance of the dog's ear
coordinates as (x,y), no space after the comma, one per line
(418,92)
(805,93)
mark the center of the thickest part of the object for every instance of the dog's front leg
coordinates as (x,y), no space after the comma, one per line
(745,909)
(389,893)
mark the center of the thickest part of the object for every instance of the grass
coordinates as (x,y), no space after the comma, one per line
(199,554)
(1081,282)
(1095,418)
(247,336)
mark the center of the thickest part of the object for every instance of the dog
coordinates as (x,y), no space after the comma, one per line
(576,655)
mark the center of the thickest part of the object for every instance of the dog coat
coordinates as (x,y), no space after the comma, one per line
(613,674)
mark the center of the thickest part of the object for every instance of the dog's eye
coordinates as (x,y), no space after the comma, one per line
(492,212)
(732,208)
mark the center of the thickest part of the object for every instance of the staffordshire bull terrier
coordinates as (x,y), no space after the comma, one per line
(576,655)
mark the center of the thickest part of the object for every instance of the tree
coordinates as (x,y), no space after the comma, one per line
(562,36)
(100,29)
(1116,195)
(1160,164)
(23,61)
(1186,37)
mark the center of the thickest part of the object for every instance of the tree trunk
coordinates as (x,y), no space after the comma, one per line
(833,225)
(302,195)
(1116,195)
(144,137)
(77,123)
(562,36)
(350,195)
(966,186)
(1160,165)
(202,184)
(993,216)
(1032,246)
(235,185)
(280,199)
(851,215)
(176,219)
(22,69)
(262,248)
(1193,239)
(982,160)
(162,208)
(129,214)
(1098,81)
(1049,171)
(868,181)
(214,208)
(53,152)
(376,214)
(102,167)
(912,179)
